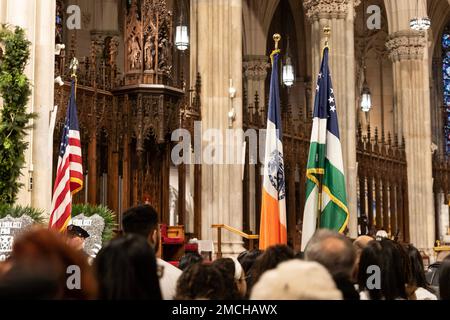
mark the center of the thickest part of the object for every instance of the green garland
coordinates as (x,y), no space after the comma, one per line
(15,91)
(18,211)
(108,215)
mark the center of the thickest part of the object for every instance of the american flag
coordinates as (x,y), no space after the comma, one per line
(69,175)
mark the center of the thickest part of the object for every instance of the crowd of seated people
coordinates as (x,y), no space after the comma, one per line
(332,267)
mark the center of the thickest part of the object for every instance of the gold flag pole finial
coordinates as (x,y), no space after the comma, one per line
(73,68)
(277,39)
(326,32)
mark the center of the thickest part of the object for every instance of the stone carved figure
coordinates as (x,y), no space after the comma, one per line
(164,56)
(150,47)
(113,50)
(148,55)
(148,41)
(134,53)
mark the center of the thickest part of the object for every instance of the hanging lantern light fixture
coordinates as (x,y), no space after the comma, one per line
(366,98)
(288,75)
(419,23)
(182,33)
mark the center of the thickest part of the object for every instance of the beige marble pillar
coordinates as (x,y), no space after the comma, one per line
(3,10)
(43,104)
(339,16)
(409,55)
(218,49)
(22,13)
(37,18)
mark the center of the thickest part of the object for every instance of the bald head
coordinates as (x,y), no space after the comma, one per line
(361,242)
(333,250)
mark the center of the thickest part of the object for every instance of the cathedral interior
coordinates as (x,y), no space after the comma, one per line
(138,81)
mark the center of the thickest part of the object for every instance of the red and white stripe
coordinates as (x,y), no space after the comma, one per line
(69,180)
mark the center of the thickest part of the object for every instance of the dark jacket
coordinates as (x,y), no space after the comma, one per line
(346,287)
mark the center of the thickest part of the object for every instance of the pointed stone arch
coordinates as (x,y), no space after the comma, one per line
(439,13)
(257,16)
(370,49)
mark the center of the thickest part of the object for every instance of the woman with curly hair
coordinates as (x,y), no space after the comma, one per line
(201,282)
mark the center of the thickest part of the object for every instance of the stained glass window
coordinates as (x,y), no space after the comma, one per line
(446,78)
(59,22)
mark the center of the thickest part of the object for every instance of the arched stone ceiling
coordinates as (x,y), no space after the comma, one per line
(257,16)
(439,13)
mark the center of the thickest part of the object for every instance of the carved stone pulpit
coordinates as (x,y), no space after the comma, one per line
(150,102)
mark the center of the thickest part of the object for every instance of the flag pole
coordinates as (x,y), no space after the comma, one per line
(74,67)
(277,39)
(327,32)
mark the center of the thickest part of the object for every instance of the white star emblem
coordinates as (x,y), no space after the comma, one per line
(320,75)
(317,88)
(333,109)
(332,91)
(331,100)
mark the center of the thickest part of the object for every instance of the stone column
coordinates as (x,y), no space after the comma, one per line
(409,54)
(22,13)
(3,11)
(38,21)
(43,103)
(339,16)
(218,49)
